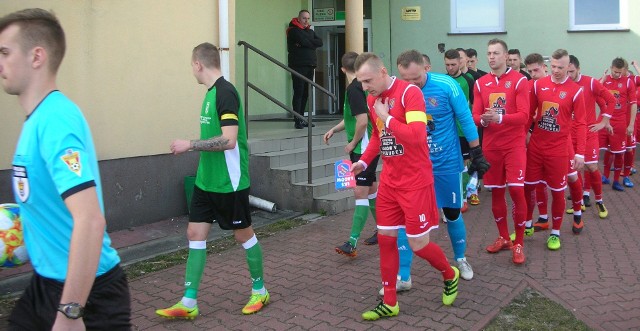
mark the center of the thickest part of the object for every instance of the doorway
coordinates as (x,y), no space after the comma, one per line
(328,73)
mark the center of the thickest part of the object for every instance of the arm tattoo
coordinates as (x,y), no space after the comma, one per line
(214,144)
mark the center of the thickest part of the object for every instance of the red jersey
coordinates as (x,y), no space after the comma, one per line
(403,144)
(560,105)
(594,90)
(509,95)
(624,90)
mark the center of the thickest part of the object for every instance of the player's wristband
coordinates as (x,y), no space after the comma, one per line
(386,123)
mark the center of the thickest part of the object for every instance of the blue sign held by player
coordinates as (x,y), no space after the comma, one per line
(344,178)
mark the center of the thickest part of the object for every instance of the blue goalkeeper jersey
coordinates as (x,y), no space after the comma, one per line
(55,158)
(446,103)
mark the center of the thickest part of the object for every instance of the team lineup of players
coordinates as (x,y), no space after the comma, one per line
(529,132)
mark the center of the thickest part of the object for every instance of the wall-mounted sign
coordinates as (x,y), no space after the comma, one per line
(411,13)
(324,14)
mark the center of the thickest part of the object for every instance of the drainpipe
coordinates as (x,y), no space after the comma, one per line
(223,31)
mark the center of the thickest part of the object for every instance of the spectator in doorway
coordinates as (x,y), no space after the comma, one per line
(302,42)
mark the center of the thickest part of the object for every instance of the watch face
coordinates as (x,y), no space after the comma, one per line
(72,310)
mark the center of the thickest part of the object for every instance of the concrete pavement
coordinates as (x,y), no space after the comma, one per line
(594,275)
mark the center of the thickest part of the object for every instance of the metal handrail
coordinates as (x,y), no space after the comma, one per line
(248,85)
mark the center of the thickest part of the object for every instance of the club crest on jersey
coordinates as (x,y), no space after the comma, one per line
(563,95)
(21,182)
(507,84)
(72,160)
(391,103)
(619,85)
(433,102)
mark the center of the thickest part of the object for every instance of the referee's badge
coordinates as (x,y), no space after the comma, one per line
(72,160)
(21,182)
(507,84)
(563,95)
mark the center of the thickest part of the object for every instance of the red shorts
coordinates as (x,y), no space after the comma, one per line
(637,128)
(550,170)
(615,143)
(570,169)
(416,210)
(592,154)
(506,167)
(631,140)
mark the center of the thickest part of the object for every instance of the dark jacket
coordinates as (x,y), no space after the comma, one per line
(302,44)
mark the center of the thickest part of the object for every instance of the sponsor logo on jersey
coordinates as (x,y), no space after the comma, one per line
(616,94)
(544,88)
(21,182)
(206,108)
(72,160)
(498,101)
(205,120)
(487,84)
(507,84)
(549,120)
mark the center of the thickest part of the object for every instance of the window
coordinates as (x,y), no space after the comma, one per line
(477,16)
(586,15)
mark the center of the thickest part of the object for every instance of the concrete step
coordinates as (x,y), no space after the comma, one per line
(319,169)
(334,203)
(326,185)
(295,141)
(300,155)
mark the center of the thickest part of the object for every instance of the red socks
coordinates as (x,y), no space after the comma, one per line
(389,264)
(435,256)
(618,162)
(557,208)
(575,189)
(519,211)
(499,208)
(542,198)
(628,161)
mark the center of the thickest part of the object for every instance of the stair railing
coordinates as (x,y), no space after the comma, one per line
(248,84)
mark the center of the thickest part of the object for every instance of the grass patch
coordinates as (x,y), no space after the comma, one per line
(165,261)
(532,311)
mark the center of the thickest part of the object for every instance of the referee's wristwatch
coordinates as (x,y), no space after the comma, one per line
(72,310)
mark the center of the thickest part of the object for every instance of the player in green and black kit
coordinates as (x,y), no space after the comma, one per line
(453,64)
(357,125)
(221,190)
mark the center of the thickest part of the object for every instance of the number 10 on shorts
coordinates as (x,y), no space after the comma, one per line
(344,178)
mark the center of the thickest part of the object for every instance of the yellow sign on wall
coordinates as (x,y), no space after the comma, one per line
(411,13)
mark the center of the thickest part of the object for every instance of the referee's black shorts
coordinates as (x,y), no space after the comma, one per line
(108,306)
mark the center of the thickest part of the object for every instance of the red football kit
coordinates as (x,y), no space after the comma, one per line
(406,194)
(593,90)
(503,143)
(548,150)
(623,90)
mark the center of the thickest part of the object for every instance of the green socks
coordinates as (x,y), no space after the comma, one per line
(254,260)
(360,215)
(372,204)
(195,267)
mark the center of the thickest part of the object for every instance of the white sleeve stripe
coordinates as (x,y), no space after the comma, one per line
(405,92)
(518,83)
(577,94)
